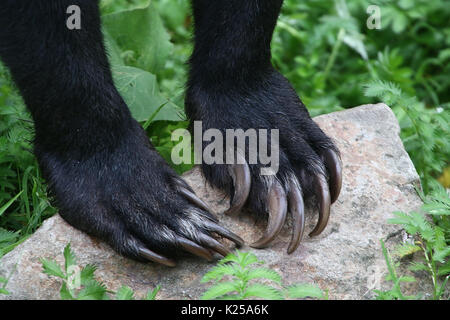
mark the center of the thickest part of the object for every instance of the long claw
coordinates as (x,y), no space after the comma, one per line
(334,166)
(226,233)
(297,209)
(192,197)
(214,245)
(323,197)
(240,173)
(152,256)
(277,215)
(194,248)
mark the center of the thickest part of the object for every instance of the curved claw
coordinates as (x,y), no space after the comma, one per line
(226,234)
(152,256)
(194,248)
(214,245)
(323,197)
(297,209)
(240,173)
(277,215)
(192,197)
(334,166)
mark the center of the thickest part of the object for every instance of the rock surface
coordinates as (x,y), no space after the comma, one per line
(345,259)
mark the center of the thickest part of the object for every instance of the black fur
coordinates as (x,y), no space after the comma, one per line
(105,176)
(233,84)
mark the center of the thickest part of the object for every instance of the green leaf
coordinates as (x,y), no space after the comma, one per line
(140,91)
(264,273)
(379,89)
(354,41)
(231,257)
(444,269)
(399,23)
(384,295)
(87,274)
(218,272)
(69,257)
(4,291)
(406,249)
(418,266)
(151,295)
(407,279)
(219,290)
(125,293)
(302,291)
(93,291)
(443,286)
(246,258)
(440,255)
(437,207)
(141,31)
(9,203)
(65,293)
(263,291)
(7,237)
(52,268)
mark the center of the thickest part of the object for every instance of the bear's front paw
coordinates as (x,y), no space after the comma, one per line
(133,200)
(307,161)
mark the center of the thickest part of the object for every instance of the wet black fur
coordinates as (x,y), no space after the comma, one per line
(104,174)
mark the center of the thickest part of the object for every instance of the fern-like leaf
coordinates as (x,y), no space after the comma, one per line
(93,291)
(262,291)
(51,268)
(69,257)
(302,291)
(406,249)
(218,272)
(125,293)
(264,273)
(220,289)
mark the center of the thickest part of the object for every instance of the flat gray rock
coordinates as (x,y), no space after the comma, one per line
(345,259)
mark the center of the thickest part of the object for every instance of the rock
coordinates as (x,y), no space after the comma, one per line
(345,259)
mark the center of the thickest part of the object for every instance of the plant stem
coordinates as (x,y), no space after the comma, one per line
(431,269)
(334,53)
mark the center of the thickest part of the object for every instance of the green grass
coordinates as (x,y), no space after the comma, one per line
(429,231)
(322,46)
(79,283)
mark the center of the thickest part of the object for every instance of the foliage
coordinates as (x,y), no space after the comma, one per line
(425,131)
(396,292)
(3,282)
(431,238)
(233,275)
(23,201)
(80,284)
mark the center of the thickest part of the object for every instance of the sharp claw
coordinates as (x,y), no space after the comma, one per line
(277,215)
(334,166)
(226,234)
(192,197)
(194,248)
(240,173)
(152,256)
(297,209)
(323,197)
(214,245)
